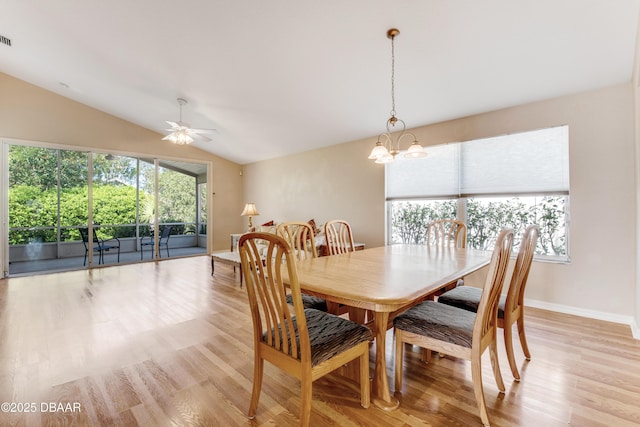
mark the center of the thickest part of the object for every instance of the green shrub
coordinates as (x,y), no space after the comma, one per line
(31,207)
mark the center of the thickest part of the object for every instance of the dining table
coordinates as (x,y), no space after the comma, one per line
(387,280)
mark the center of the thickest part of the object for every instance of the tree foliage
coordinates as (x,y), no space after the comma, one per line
(485,219)
(36,173)
(30,209)
(410,219)
(177,194)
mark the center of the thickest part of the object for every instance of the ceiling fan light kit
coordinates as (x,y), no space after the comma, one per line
(181,133)
(180,137)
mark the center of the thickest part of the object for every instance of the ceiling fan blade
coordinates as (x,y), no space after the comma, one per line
(201,131)
(201,137)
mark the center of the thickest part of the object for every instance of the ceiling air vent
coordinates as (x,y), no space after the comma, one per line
(5,40)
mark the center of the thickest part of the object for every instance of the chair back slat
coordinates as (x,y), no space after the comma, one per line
(274,322)
(299,236)
(339,237)
(486,319)
(447,233)
(166,232)
(515,294)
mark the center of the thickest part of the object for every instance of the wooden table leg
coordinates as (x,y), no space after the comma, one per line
(380,392)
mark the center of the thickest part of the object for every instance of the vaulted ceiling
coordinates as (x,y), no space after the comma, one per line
(284,76)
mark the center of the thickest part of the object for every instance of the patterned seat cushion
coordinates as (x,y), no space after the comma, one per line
(439,321)
(468,298)
(309,301)
(330,335)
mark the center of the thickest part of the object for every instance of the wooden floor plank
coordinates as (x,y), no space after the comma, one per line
(166,343)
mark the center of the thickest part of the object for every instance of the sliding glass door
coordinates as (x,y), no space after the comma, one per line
(33,203)
(70,209)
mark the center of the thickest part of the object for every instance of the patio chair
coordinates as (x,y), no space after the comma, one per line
(162,241)
(99,245)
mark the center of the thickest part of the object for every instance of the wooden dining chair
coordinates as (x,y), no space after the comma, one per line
(339,237)
(457,332)
(447,232)
(511,305)
(305,343)
(339,240)
(300,237)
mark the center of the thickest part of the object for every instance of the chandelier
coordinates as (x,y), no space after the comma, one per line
(387,147)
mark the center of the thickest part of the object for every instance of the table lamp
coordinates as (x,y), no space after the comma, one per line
(250,210)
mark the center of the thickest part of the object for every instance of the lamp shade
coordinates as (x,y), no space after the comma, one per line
(378,151)
(416,151)
(250,210)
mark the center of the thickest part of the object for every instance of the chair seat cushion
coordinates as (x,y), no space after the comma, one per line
(309,301)
(468,298)
(439,321)
(330,335)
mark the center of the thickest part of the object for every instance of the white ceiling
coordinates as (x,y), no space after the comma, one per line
(283,76)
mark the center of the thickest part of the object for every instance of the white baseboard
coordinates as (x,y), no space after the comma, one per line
(635,330)
(591,314)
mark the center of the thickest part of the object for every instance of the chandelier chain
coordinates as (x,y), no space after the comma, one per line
(393,74)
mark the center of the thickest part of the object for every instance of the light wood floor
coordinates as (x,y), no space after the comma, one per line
(164,343)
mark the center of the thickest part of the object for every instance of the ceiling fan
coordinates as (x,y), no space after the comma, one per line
(181,133)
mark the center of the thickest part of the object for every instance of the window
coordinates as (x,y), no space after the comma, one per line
(492,183)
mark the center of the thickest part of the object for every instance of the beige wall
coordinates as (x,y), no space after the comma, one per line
(332,183)
(339,182)
(29,113)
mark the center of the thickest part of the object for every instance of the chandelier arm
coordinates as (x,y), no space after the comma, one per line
(386,137)
(408,134)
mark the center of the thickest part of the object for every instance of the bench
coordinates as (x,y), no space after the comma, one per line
(229,258)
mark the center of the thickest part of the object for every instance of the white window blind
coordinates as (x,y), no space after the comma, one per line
(433,176)
(523,163)
(528,162)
